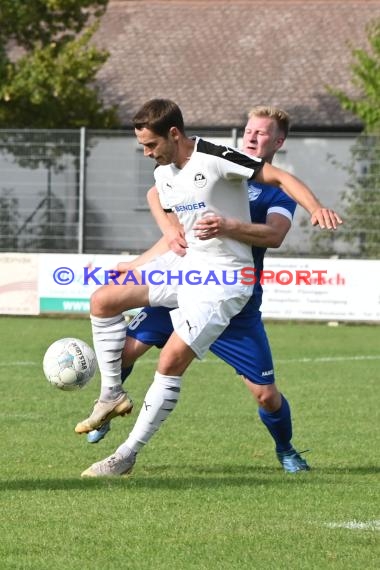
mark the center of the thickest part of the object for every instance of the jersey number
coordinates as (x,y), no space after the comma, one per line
(137,320)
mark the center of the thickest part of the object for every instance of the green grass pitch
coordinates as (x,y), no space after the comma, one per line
(207,492)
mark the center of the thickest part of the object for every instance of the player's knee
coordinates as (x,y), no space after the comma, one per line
(268,401)
(267,396)
(174,363)
(170,365)
(175,357)
(99,303)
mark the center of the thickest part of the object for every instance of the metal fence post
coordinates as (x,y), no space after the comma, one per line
(82,186)
(234,137)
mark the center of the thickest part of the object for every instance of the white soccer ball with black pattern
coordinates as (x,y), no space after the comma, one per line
(69,364)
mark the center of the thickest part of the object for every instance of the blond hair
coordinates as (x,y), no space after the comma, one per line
(281,117)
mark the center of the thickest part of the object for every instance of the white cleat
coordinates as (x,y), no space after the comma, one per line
(104,412)
(113,466)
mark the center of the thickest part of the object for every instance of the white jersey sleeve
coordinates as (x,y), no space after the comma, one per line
(165,188)
(232,163)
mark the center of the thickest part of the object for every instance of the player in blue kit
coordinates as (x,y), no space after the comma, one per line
(190,172)
(244,344)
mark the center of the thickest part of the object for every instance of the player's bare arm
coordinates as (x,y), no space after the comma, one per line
(270,234)
(158,248)
(168,223)
(320,215)
(163,244)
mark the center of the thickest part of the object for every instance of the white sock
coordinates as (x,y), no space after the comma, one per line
(108,335)
(160,400)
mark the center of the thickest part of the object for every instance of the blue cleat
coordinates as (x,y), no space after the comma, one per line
(97,434)
(291,461)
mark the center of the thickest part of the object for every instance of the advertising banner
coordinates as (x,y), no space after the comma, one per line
(307,289)
(66,281)
(19,284)
(322,289)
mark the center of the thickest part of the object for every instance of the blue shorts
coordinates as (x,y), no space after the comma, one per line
(243,344)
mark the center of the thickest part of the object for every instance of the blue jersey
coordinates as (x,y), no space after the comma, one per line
(243,344)
(263,200)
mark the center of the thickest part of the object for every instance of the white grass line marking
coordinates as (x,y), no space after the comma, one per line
(330,358)
(318,359)
(20,363)
(208,361)
(356,525)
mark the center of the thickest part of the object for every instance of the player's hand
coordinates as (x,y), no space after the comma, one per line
(209,227)
(325,218)
(124,266)
(175,239)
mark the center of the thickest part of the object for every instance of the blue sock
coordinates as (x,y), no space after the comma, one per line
(125,372)
(279,425)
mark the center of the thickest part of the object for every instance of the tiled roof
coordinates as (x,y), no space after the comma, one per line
(216,58)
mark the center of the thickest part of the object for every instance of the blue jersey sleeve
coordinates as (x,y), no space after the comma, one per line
(264,199)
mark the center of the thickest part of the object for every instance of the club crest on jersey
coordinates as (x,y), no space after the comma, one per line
(253,193)
(200,180)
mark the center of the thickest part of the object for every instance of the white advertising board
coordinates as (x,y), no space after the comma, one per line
(305,289)
(66,281)
(339,289)
(19,284)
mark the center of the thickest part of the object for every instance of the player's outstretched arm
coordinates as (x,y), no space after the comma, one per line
(324,217)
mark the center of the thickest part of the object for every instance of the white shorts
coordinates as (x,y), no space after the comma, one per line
(202,312)
(155,275)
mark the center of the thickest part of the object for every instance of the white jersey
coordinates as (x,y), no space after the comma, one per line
(212,182)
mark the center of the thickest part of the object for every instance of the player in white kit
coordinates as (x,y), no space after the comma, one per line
(194,178)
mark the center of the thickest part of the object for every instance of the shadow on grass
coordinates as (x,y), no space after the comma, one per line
(176,478)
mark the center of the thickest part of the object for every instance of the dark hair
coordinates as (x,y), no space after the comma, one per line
(159,115)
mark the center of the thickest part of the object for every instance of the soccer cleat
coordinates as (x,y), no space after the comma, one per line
(112,466)
(103,412)
(291,461)
(97,434)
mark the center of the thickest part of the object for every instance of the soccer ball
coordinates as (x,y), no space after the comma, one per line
(69,364)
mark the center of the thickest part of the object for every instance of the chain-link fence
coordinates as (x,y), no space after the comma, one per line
(39,190)
(85,191)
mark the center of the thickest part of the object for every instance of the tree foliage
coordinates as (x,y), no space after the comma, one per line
(366,77)
(361,199)
(48,65)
